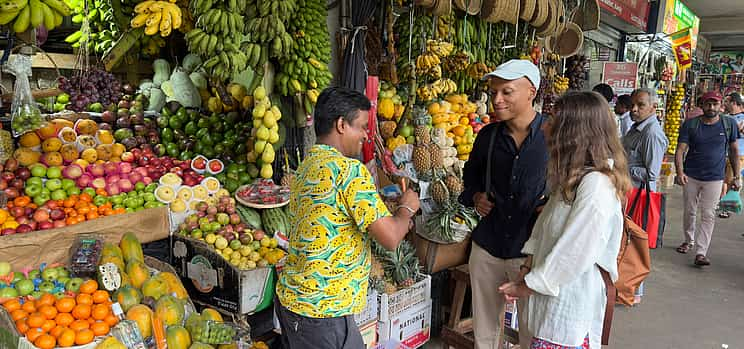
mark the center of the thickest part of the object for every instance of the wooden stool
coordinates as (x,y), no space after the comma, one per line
(458,333)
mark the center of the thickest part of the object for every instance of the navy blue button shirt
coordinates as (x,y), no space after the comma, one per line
(517,187)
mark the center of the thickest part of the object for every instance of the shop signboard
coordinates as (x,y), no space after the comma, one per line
(634,12)
(677,16)
(622,76)
(727,62)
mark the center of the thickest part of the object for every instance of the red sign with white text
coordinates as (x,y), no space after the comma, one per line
(634,12)
(622,76)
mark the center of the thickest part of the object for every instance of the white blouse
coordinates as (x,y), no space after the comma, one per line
(567,244)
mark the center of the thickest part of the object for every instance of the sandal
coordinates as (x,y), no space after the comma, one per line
(701,260)
(723,214)
(684,248)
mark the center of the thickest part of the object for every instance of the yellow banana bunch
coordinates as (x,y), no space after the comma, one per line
(33,13)
(439,48)
(477,70)
(425,93)
(443,87)
(457,62)
(427,61)
(560,84)
(157,16)
(444,23)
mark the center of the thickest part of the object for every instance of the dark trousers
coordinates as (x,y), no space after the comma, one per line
(302,332)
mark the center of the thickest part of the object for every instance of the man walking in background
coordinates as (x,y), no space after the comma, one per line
(703,145)
(623,105)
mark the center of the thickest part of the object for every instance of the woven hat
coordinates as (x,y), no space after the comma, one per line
(561,17)
(471,7)
(548,27)
(527,9)
(491,10)
(540,14)
(511,11)
(442,8)
(587,15)
(568,42)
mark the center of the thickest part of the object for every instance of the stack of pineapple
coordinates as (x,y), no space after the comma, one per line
(394,270)
(673,118)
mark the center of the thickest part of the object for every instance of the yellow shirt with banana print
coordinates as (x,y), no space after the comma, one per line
(332,203)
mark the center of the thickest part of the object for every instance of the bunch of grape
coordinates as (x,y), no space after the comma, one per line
(94,86)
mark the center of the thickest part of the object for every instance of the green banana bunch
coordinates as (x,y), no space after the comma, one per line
(223,65)
(422,30)
(103,28)
(266,25)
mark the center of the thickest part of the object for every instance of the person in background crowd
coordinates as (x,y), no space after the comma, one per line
(606,91)
(703,145)
(696,111)
(507,196)
(645,143)
(623,105)
(579,230)
(733,107)
(335,211)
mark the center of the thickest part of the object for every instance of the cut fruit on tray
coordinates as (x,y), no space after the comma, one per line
(263,193)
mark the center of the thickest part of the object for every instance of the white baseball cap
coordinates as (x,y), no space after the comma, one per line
(515,69)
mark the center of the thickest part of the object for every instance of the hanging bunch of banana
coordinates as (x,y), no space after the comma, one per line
(104,30)
(265,21)
(219,30)
(413,41)
(304,70)
(444,25)
(27,14)
(157,16)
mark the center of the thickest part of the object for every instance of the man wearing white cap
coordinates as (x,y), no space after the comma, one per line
(513,156)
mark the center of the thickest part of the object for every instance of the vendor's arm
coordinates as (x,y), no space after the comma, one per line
(474,172)
(390,230)
(583,240)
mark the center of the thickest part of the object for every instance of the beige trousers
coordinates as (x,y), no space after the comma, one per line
(487,273)
(704,196)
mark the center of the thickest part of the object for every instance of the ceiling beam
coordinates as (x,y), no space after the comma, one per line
(722,25)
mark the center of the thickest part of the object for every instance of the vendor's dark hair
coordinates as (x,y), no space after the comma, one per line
(736,98)
(606,91)
(625,101)
(337,102)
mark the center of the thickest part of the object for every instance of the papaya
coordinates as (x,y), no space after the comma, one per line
(177,337)
(113,250)
(110,343)
(125,279)
(131,248)
(154,287)
(200,345)
(170,310)
(175,286)
(211,314)
(127,296)
(118,262)
(138,273)
(142,315)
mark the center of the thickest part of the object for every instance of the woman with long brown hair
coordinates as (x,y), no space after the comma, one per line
(579,230)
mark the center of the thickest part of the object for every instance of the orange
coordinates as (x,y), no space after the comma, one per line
(92,215)
(45,341)
(18,314)
(111,320)
(84,298)
(22,201)
(48,325)
(33,333)
(100,328)
(49,311)
(84,197)
(22,326)
(82,210)
(64,319)
(35,320)
(29,307)
(81,311)
(57,331)
(45,299)
(100,296)
(101,192)
(89,287)
(69,202)
(66,339)
(84,337)
(78,325)
(65,304)
(99,312)
(12,305)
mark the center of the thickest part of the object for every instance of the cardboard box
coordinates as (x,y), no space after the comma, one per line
(412,327)
(393,305)
(436,257)
(369,334)
(31,249)
(370,311)
(212,280)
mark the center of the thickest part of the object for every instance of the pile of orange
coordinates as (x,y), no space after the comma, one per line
(49,322)
(77,208)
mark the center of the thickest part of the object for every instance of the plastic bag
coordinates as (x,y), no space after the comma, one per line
(25,115)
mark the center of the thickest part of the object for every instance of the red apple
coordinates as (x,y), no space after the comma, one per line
(18,184)
(127,157)
(60,223)
(11,192)
(45,225)
(7,231)
(17,212)
(3,184)
(57,214)
(7,176)
(23,173)
(11,164)
(41,215)
(24,228)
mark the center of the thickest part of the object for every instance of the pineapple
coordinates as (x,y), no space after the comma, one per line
(435,155)
(389,287)
(377,271)
(422,160)
(454,185)
(439,192)
(402,265)
(423,136)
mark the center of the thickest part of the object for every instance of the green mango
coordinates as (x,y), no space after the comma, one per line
(166,135)
(191,128)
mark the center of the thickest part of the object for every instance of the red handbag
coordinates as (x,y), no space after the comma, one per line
(648,209)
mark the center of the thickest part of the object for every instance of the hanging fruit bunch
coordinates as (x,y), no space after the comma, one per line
(27,14)
(411,40)
(157,17)
(673,118)
(576,71)
(265,133)
(218,35)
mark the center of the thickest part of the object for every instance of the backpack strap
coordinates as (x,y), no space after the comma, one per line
(727,121)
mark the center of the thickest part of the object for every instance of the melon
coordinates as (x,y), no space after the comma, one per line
(142,315)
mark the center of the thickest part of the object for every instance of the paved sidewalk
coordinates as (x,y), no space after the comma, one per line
(686,307)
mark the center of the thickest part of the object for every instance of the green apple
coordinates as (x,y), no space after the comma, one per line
(8,292)
(41,199)
(100,200)
(36,294)
(46,286)
(59,194)
(197,234)
(151,204)
(74,284)
(17,276)
(60,294)
(139,186)
(62,271)
(45,191)
(32,190)
(90,191)
(25,287)
(50,274)
(150,188)
(63,280)
(38,170)
(35,181)
(4,269)
(53,184)
(235,244)
(72,191)
(34,274)
(54,172)
(68,183)
(150,197)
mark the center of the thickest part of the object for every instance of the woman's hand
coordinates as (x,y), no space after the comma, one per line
(515,290)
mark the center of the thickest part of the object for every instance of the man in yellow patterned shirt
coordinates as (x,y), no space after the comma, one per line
(334,211)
